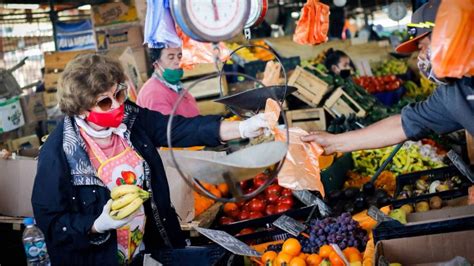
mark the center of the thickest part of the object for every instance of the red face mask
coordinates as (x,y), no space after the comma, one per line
(110,119)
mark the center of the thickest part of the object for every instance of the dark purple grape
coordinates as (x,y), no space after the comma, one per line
(320,232)
(342,245)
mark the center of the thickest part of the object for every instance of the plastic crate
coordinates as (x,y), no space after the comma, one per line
(193,255)
(433,174)
(390,98)
(334,177)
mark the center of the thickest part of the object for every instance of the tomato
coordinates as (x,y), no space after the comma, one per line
(246,206)
(270,210)
(230,207)
(234,214)
(244,215)
(246,231)
(272,198)
(226,220)
(257,205)
(286,200)
(244,184)
(282,207)
(249,190)
(287,192)
(262,197)
(255,215)
(273,189)
(258,182)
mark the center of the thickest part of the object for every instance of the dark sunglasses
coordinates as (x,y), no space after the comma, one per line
(120,96)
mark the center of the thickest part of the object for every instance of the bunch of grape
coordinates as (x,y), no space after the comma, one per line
(343,231)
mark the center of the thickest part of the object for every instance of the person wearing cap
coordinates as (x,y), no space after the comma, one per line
(162,90)
(448,109)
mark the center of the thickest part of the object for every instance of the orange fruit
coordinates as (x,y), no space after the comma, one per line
(215,192)
(269,256)
(282,258)
(230,207)
(297,261)
(325,161)
(223,188)
(303,255)
(313,260)
(325,251)
(207,186)
(335,259)
(352,254)
(291,246)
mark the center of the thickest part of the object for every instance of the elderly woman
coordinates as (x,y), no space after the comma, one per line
(106,141)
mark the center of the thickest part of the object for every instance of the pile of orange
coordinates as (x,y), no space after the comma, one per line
(202,203)
(291,255)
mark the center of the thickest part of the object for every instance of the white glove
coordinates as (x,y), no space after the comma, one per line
(253,127)
(105,223)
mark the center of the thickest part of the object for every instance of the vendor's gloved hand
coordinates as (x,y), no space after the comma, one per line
(253,127)
(105,223)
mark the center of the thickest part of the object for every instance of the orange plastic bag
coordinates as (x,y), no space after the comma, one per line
(301,169)
(195,52)
(452,43)
(313,25)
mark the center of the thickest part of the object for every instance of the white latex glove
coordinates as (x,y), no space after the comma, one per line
(105,223)
(253,127)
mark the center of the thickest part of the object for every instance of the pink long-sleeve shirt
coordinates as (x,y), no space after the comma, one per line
(155,96)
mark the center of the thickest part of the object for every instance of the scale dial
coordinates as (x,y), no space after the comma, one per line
(397,11)
(258,10)
(211,20)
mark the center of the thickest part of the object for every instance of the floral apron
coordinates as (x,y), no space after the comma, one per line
(123,168)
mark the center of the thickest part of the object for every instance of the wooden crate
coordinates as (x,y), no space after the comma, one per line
(308,119)
(50,99)
(311,89)
(205,219)
(54,64)
(340,103)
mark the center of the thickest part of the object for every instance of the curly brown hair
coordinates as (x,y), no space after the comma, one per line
(85,78)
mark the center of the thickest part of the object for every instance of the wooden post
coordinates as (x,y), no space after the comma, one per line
(470,147)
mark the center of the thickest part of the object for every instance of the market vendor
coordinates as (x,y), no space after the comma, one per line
(102,138)
(162,90)
(339,63)
(448,109)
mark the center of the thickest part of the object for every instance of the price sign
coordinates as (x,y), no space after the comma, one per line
(309,199)
(378,215)
(228,242)
(289,225)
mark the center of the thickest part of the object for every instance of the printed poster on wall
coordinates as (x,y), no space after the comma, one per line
(77,35)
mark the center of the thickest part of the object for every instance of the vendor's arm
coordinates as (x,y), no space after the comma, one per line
(381,134)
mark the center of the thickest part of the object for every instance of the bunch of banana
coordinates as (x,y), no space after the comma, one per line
(427,87)
(412,89)
(126,200)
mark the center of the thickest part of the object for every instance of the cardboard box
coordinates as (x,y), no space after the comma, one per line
(114,13)
(429,250)
(206,89)
(127,36)
(57,61)
(130,66)
(209,107)
(33,107)
(29,142)
(470,147)
(17,178)
(11,114)
(50,98)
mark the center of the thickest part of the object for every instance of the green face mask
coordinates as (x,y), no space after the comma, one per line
(172,76)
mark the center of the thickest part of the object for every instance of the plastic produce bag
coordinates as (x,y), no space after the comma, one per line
(160,30)
(195,52)
(301,168)
(313,25)
(452,43)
